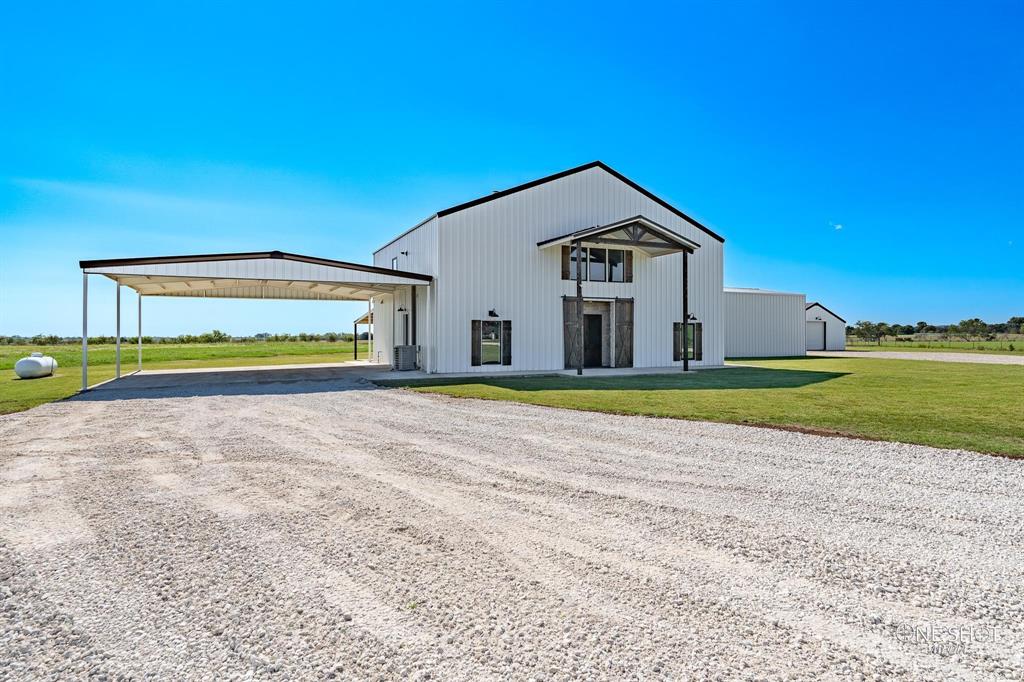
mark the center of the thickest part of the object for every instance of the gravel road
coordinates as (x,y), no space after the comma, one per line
(936,356)
(334,530)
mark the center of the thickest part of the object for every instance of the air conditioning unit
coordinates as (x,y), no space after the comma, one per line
(405,358)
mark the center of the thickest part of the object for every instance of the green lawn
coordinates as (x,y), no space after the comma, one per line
(949,405)
(993,347)
(21,394)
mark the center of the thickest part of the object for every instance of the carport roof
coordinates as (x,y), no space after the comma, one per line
(260,274)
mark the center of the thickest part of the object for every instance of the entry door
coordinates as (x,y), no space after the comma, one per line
(815,336)
(592,345)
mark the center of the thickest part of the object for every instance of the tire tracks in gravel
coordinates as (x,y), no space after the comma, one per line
(453,500)
(388,533)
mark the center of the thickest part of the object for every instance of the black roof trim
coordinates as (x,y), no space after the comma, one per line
(573,171)
(811,305)
(206,257)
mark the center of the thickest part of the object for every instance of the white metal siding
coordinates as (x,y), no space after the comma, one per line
(835,329)
(421,247)
(764,324)
(488,259)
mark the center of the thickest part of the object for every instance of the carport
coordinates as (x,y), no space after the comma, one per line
(258,275)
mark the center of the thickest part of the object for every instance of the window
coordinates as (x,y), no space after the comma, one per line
(598,265)
(695,339)
(616,265)
(394,263)
(572,263)
(490,342)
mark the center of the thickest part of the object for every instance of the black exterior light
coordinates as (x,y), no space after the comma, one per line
(691,318)
(492,313)
(400,310)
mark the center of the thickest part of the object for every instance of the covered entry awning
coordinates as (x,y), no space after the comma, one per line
(638,232)
(253,275)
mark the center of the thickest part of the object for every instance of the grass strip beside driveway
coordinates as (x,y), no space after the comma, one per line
(947,405)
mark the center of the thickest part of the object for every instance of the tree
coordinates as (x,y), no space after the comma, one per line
(921,327)
(971,328)
(866,330)
(1015,325)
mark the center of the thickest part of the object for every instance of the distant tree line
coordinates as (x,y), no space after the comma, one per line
(215,336)
(973,329)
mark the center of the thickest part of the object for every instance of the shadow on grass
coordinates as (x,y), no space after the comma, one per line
(733,378)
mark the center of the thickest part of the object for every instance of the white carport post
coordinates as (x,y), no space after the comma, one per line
(85,331)
(140,332)
(117,331)
(430,332)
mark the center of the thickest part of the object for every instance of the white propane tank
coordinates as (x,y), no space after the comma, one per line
(35,366)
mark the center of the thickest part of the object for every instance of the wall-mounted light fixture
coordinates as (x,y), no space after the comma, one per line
(492,313)
(400,310)
(691,318)
(404,253)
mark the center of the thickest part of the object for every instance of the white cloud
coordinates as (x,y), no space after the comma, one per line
(836,226)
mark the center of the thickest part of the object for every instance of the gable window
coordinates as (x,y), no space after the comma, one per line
(574,259)
(695,339)
(598,265)
(394,263)
(616,265)
(490,342)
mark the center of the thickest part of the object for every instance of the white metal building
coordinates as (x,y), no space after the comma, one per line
(504,280)
(761,324)
(825,329)
(583,268)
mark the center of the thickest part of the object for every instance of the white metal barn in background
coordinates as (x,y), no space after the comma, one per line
(825,329)
(583,268)
(761,324)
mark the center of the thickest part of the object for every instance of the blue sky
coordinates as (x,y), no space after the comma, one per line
(868,154)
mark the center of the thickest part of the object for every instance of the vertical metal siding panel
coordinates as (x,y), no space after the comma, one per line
(763,324)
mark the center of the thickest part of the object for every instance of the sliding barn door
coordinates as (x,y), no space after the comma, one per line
(571,332)
(623,332)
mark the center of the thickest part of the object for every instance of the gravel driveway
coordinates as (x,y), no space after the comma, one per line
(937,356)
(330,529)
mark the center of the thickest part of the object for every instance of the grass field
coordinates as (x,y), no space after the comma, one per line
(949,405)
(994,347)
(21,394)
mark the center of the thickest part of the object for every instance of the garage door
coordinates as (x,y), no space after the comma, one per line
(815,336)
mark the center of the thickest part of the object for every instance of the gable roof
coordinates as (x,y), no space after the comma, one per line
(811,305)
(638,232)
(558,176)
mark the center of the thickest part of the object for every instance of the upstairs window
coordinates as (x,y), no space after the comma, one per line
(574,259)
(616,265)
(394,263)
(598,265)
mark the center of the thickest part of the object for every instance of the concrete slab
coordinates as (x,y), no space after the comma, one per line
(221,376)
